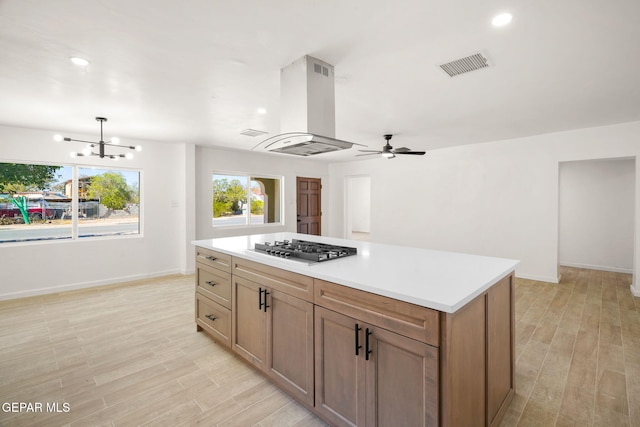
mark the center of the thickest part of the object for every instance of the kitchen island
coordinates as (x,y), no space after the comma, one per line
(389,336)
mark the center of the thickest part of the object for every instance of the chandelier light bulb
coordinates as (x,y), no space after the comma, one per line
(57,138)
(129,156)
(115,140)
(73,154)
(86,151)
(138,148)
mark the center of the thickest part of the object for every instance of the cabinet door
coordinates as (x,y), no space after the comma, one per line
(402,380)
(290,344)
(249,322)
(340,373)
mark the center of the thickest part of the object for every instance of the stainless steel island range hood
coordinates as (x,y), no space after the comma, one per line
(307,123)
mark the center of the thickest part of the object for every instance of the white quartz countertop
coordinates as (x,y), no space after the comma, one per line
(440,280)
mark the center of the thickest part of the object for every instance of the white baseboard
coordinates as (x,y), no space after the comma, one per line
(598,267)
(548,279)
(85,285)
(635,290)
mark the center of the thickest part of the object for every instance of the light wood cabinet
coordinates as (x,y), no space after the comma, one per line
(213,294)
(369,376)
(410,320)
(214,284)
(214,259)
(214,319)
(249,322)
(477,359)
(402,378)
(272,329)
(290,345)
(340,373)
(361,359)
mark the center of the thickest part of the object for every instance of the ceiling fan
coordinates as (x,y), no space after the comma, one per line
(389,152)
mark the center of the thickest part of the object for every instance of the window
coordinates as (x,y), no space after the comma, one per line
(246,200)
(39,202)
(108,202)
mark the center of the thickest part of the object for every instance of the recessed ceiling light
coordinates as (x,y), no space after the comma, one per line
(262,111)
(501,20)
(80,62)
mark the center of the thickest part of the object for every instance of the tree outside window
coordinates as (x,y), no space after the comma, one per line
(37,202)
(245,200)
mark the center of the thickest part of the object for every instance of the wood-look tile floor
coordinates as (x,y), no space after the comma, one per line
(577,351)
(130,355)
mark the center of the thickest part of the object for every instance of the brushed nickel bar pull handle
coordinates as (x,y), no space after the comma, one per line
(210,317)
(211,258)
(210,283)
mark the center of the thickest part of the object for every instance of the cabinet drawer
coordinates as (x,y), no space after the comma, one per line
(410,320)
(214,319)
(290,283)
(213,259)
(214,284)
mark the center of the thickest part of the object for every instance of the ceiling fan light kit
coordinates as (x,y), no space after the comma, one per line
(389,152)
(101,146)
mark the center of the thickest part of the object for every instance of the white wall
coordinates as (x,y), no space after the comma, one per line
(497,199)
(51,266)
(596,214)
(209,160)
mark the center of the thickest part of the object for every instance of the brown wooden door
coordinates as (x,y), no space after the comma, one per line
(402,380)
(290,344)
(309,205)
(340,374)
(249,326)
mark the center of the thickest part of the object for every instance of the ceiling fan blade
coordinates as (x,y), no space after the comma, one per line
(416,153)
(368,154)
(370,151)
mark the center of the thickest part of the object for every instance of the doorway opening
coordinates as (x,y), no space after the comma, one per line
(358,208)
(596,214)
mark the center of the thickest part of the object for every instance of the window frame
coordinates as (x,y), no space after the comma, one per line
(75,227)
(250,177)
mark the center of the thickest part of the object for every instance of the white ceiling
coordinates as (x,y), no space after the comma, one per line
(197,71)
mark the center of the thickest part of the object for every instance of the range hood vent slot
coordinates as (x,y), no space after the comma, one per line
(474,62)
(305,144)
(317,68)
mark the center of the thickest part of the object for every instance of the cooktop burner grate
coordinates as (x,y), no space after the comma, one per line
(302,249)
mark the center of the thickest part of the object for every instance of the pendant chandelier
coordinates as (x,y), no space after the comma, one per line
(100,146)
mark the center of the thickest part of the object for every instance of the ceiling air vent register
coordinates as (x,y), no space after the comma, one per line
(474,62)
(253,132)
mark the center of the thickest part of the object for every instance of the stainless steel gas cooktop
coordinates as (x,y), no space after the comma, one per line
(305,250)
